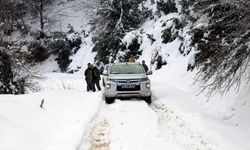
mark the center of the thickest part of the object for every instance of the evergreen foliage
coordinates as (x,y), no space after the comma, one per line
(166,35)
(167,6)
(14,71)
(59,45)
(114,19)
(224,53)
(198,36)
(152,39)
(62,49)
(134,48)
(38,51)
(171,33)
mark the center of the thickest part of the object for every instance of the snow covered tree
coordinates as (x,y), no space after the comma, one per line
(14,70)
(224,51)
(12,16)
(114,19)
(167,6)
(60,44)
(37,8)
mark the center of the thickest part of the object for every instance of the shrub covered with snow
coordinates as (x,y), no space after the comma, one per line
(224,51)
(14,71)
(166,6)
(60,44)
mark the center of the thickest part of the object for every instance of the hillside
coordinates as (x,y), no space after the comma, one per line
(198,52)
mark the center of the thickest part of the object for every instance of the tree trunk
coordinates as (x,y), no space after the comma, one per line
(41,15)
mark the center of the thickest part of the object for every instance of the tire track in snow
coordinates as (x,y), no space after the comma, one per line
(97,136)
(132,125)
(176,128)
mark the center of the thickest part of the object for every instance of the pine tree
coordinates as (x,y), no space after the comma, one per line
(114,19)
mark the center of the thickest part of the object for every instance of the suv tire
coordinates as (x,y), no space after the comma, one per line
(109,100)
(148,99)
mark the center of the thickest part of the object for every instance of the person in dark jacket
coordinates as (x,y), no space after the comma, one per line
(96,78)
(89,77)
(144,66)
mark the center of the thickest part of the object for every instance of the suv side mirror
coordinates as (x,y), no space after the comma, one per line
(149,72)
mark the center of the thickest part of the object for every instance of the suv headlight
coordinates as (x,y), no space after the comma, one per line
(112,80)
(148,85)
(108,86)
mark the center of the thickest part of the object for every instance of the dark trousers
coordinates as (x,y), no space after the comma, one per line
(89,85)
(97,84)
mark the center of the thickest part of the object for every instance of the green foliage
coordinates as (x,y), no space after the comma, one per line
(59,45)
(59,35)
(178,24)
(167,7)
(114,20)
(186,4)
(134,47)
(198,36)
(106,48)
(38,51)
(150,36)
(62,49)
(75,42)
(224,53)
(168,35)
(13,72)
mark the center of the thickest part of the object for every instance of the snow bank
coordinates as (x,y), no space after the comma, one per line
(60,124)
(221,119)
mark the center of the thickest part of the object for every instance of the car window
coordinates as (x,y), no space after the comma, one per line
(127,69)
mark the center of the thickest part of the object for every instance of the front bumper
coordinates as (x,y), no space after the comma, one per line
(111,90)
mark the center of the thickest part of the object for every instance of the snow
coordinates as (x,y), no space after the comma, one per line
(60,125)
(75,119)
(49,65)
(83,56)
(178,119)
(204,117)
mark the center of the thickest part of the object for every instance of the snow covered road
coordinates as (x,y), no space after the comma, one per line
(133,125)
(74,119)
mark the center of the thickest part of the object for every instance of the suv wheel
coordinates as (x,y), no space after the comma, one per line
(148,99)
(109,100)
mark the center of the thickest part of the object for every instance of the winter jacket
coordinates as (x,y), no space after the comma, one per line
(145,67)
(96,74)
(88,75)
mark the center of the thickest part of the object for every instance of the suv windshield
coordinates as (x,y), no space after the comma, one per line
(127,69)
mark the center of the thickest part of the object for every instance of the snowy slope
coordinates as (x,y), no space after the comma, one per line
(177,119)
(232,108)
(59,125)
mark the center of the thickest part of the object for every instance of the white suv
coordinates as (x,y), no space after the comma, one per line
(127,80)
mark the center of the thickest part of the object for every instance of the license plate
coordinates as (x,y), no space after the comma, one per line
(128,86)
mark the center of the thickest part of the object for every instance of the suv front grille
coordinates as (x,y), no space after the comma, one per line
(128,85)
(126,80)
